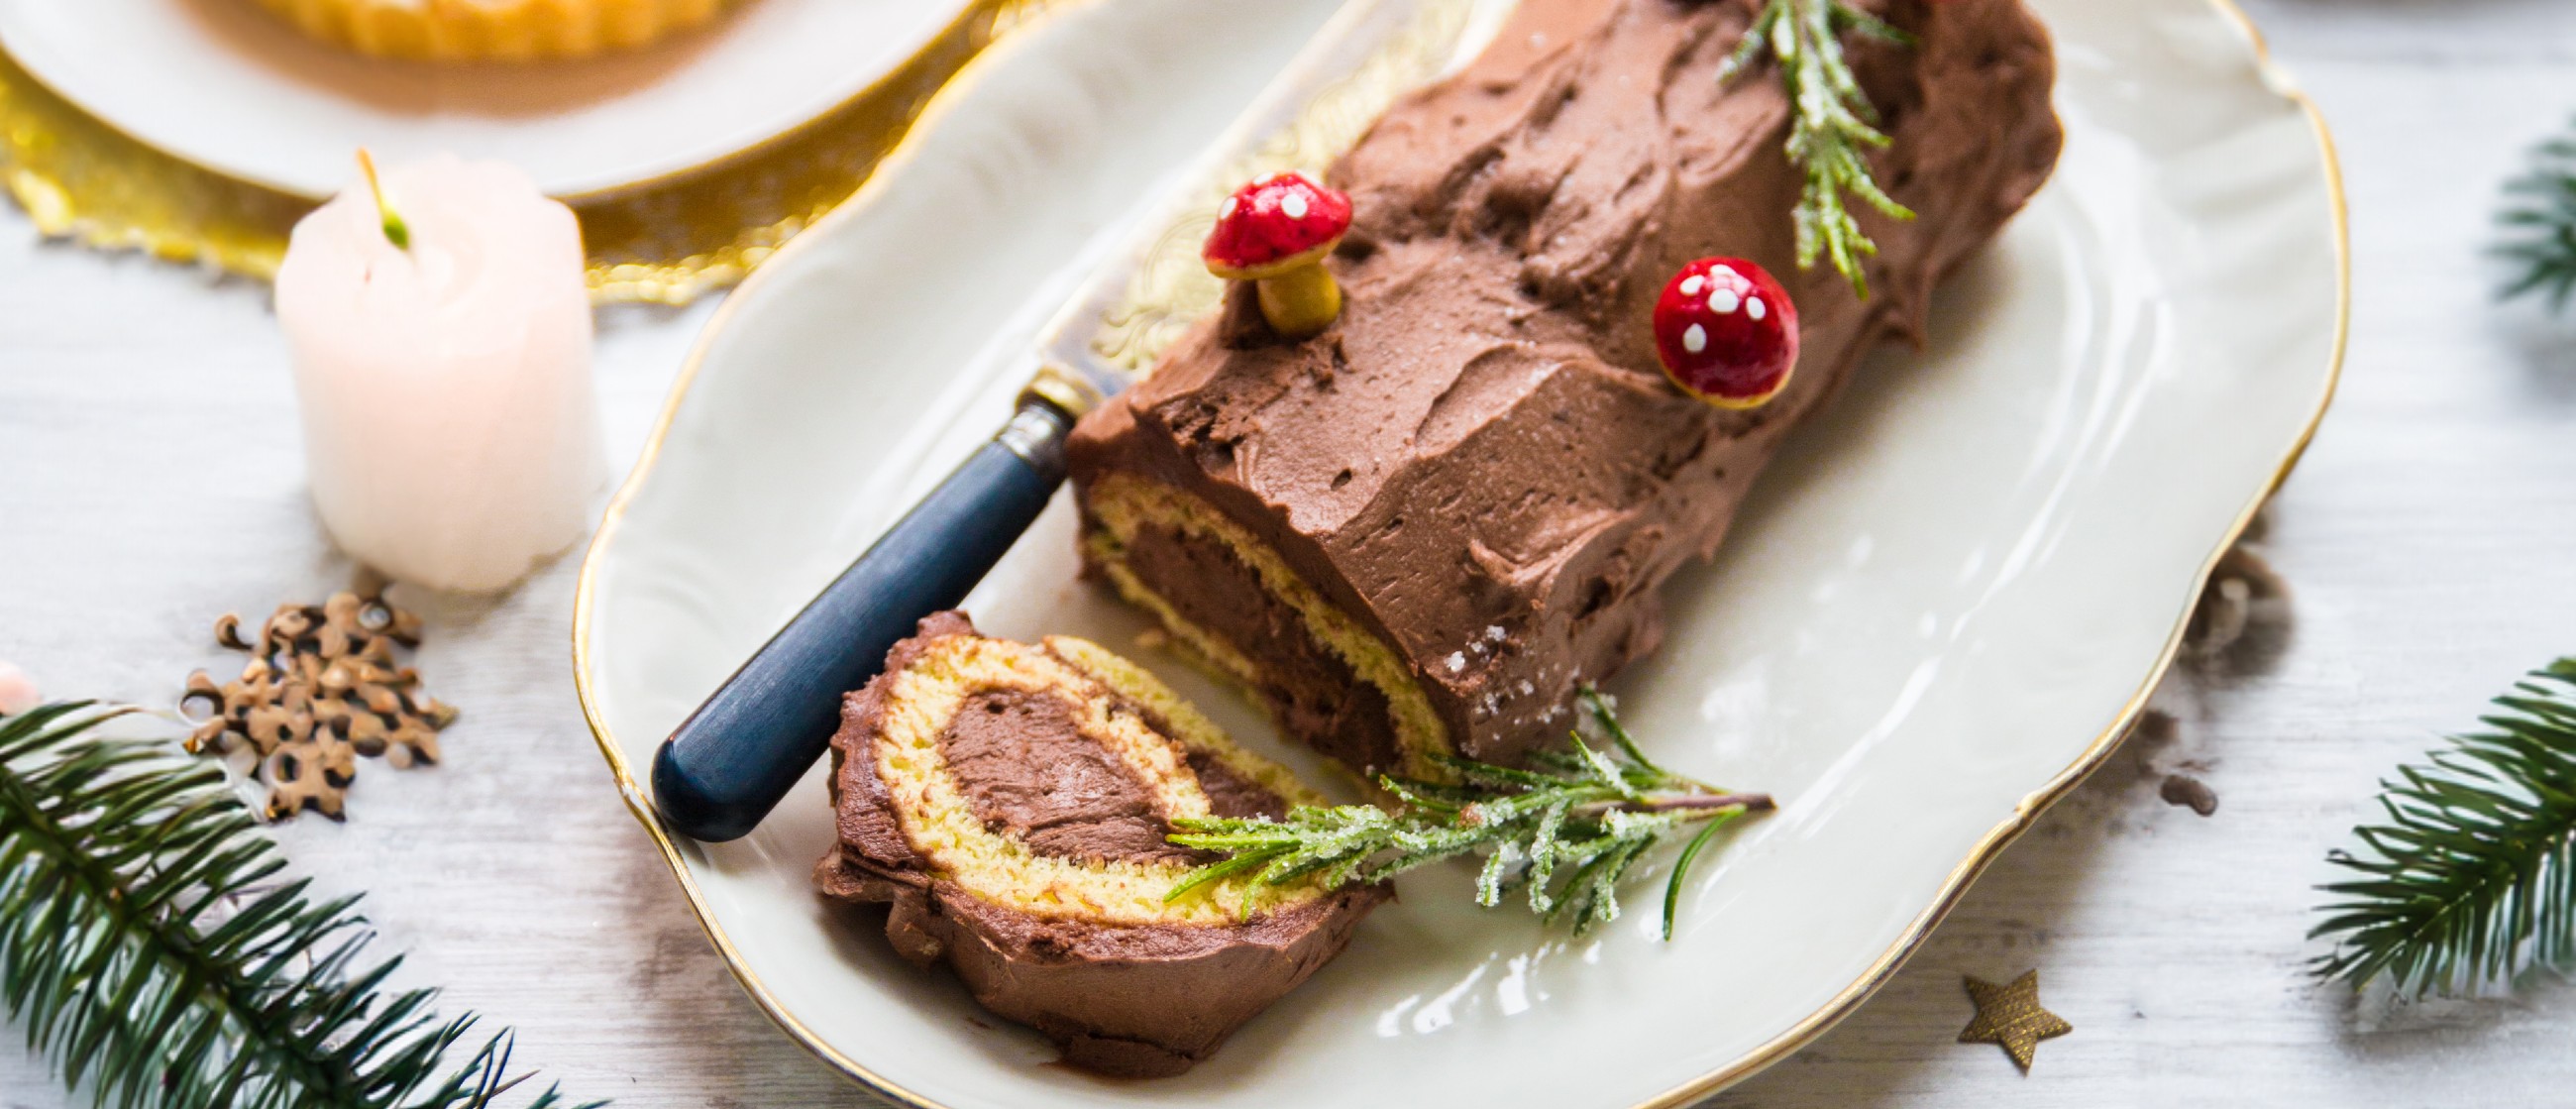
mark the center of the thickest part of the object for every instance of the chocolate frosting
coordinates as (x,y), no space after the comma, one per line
(1481,460)
(1124,1000)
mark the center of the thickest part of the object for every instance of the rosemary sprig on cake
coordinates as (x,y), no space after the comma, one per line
(2471,879)
(1567,829)
(1833,127)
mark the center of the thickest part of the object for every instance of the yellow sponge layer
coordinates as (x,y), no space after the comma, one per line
(1096,687)
(1123,503)
(491,30)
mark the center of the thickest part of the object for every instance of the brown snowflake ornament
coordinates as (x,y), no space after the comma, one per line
(321,690)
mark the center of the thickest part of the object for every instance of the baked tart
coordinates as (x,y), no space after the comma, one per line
(492,30)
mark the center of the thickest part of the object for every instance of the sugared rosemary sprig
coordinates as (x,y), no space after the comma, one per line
(1567,829)
(1832,129)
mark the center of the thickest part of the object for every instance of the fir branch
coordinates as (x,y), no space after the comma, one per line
(1833,127)
(152,948)
(1566,830)
(2472,878)
(2540,223)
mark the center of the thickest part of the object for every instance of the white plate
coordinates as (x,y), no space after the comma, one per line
(1940,609)
(225,85)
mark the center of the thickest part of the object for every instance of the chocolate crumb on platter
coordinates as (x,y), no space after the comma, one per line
(2188,792)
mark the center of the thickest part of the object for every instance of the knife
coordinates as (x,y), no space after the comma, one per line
(731,761)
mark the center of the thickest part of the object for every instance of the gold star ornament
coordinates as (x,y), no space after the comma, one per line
(2010,1016)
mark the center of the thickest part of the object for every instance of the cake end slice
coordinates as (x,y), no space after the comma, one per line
(1009,802)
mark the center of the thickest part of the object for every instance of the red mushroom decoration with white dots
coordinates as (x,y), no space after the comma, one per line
(1727,332)
(1275,233)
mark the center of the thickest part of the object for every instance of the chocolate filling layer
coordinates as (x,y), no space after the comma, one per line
(1229,793)
(1310,689)
(1026,767)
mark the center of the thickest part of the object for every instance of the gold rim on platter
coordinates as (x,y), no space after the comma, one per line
(666,239)
(1806,1030)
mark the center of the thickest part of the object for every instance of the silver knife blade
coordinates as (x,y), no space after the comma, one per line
(1109,333)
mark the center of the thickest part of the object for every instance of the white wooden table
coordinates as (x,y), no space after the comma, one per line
(150,480)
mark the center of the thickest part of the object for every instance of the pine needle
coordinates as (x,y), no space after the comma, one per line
(1585,813)
(2540,225)
(153,949)
(2472,878)
(1833,128)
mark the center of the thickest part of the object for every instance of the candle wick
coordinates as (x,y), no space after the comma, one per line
(396,231)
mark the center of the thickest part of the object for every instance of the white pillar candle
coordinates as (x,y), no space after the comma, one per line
(451,432)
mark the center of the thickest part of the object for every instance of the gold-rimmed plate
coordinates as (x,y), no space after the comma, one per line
(1939,611)
(227,86)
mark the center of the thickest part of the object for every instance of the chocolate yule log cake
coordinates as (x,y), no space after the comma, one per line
(1011,801)
(1418,531)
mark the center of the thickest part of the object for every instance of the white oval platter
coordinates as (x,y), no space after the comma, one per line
(231,88)
(1940,609)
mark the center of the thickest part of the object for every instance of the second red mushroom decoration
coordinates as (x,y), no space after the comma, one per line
(1727,332)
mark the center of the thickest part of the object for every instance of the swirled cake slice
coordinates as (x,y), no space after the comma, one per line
(1010,802)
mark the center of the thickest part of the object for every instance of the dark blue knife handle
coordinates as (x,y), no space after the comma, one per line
(731,761)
